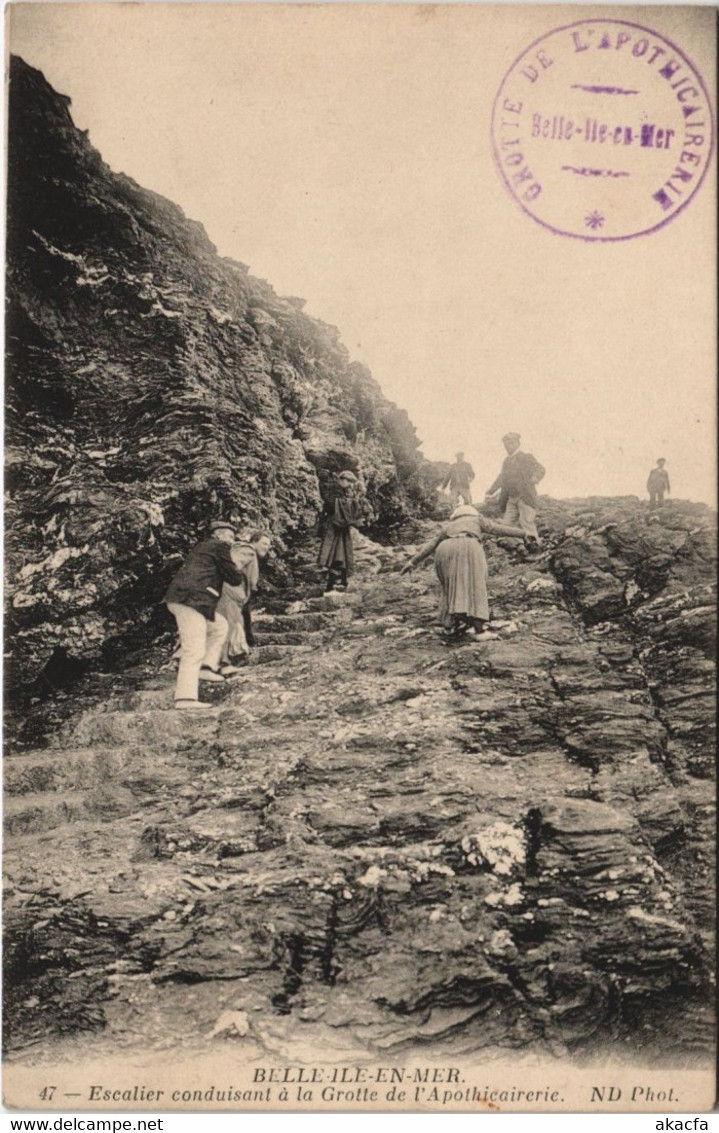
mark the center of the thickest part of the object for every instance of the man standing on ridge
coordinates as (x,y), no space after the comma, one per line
(192,599)
(517,486)
(458,479)
(658,484)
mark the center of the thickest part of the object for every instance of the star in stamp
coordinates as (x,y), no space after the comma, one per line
(602,130)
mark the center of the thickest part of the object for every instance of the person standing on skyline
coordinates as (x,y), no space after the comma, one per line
(517,486)
(658,484)
(458,480)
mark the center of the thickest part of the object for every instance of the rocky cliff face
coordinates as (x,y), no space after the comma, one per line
(381,845)
(153,385)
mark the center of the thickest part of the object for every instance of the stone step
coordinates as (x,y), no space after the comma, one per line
(154,730)
(267,637)
(335,600)
(81,769)
(309,574)
(292,622)
(58,770)
(149,698)
(267,654)
(47,810)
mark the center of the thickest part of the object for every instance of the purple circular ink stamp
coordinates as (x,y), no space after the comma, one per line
(602,130)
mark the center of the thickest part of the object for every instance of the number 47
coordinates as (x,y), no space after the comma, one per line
(47,1093)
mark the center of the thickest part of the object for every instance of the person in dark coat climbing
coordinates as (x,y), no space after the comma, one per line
(517,486)
(342,510)
(458,480)
(658,484)
(192,599)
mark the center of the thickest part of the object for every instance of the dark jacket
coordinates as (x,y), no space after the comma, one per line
(460,475)
(658,480)
(198,583)
(341,511)
(520,473)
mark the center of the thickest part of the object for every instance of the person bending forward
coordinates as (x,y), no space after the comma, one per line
(461,567)
(192,599)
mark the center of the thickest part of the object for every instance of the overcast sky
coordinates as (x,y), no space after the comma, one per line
(344,154)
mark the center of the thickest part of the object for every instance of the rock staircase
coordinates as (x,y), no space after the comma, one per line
(379,841)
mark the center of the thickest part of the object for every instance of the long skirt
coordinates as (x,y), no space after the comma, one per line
(336,548)
(462,569)
(230,606)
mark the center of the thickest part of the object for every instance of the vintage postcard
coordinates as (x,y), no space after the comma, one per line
(360,555)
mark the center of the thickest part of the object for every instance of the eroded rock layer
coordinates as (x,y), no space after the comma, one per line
(153,385)
(381,844)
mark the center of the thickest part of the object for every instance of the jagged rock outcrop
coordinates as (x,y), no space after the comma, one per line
(151,386)
(381,844)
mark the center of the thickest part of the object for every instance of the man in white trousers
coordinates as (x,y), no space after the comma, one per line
(192,600)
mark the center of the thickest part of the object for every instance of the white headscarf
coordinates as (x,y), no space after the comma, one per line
(464,509)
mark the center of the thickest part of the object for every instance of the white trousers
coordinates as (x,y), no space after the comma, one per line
(519,514)
(201,644)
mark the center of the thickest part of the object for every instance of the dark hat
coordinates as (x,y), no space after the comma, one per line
(661,460)
(221,525)
(509,436)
